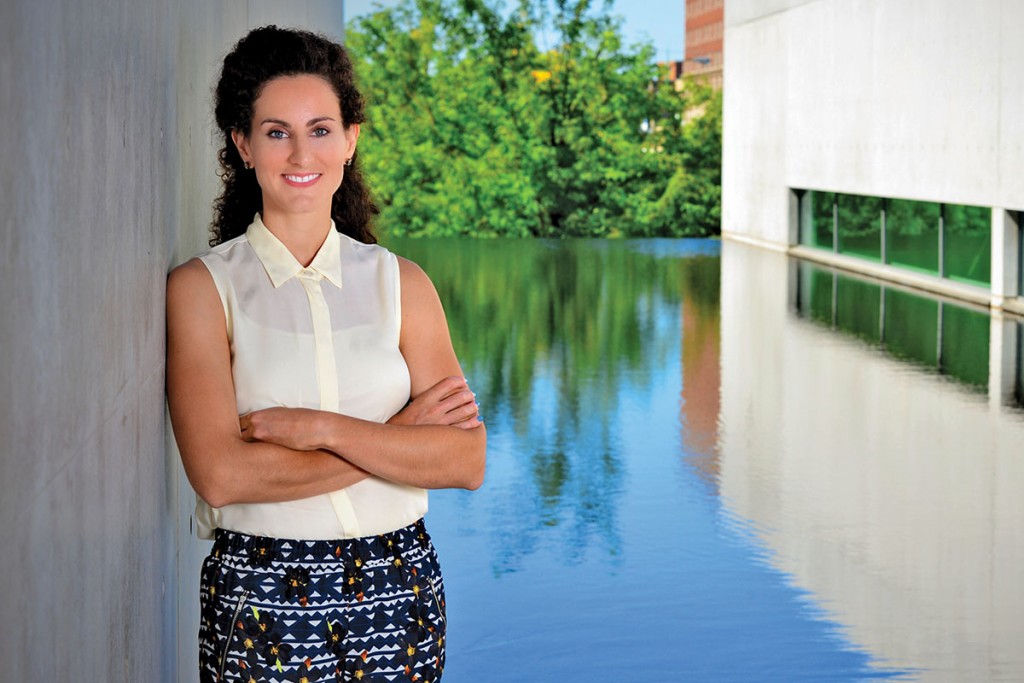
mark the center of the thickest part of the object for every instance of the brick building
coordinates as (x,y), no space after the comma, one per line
(705,28)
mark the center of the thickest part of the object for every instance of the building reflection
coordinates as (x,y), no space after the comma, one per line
(700,402)
(951,338)
(868,441)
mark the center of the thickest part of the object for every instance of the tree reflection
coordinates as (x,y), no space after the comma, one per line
(555,336)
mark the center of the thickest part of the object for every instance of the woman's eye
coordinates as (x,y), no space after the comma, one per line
(277,134)
(320,132)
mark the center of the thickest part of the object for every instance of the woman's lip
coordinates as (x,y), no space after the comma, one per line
(300,179)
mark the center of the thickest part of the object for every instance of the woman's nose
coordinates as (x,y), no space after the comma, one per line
(300,151)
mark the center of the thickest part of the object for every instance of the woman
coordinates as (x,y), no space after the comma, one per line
(294,348)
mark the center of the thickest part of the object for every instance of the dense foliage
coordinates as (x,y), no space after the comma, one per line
(475,130)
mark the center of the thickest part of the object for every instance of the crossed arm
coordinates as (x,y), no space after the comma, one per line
(289,453)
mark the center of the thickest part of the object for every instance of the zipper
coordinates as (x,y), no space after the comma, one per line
(437,603)
(230,634)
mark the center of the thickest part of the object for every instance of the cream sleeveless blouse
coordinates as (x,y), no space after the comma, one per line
(323,337)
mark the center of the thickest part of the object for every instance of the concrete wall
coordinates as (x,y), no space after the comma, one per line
(918,99)
(107,177)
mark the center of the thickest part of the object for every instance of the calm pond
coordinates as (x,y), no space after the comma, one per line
(709,462)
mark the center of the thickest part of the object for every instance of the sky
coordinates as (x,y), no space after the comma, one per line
(658,21)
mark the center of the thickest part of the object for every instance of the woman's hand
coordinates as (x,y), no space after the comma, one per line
(295,428)
(449,402)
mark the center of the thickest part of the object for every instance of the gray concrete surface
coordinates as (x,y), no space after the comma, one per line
(106,179)
(917,99)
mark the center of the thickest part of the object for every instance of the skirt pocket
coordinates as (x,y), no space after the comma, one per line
(229,634)
(438,603)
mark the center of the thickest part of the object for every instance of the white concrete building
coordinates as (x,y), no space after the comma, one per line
(890,496)
(886,99)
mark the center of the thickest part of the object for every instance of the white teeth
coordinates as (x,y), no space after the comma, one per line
(302,178)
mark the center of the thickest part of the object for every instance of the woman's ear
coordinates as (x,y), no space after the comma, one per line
(242,145)
(352,133)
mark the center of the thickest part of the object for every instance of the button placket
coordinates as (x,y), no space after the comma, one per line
(327,377)
(323,340)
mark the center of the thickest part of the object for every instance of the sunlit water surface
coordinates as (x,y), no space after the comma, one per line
(699,469)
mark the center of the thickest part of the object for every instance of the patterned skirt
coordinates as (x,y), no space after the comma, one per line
(363,609)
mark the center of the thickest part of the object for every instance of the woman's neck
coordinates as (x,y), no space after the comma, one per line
(302,234)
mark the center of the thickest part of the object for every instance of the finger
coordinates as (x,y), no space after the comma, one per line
(471,423)
(463,412)
(458,413)
(457,400)
(446,415)
(445,388)
(430,406)
(247,430)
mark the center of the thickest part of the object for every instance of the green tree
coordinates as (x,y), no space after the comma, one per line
(475,130)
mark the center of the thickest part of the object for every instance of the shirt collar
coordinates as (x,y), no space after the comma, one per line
(279,263)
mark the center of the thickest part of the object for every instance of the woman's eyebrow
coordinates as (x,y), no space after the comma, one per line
(311,122)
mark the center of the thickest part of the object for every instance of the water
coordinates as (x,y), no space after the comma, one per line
(695,481)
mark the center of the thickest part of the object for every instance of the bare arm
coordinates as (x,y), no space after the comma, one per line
(418,449)
(222,467)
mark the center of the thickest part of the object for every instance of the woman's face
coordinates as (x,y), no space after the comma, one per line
(298,145)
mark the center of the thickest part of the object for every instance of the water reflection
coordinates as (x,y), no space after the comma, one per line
(549,334)
(892,495)
(700,405)
(599,548)
(945,336)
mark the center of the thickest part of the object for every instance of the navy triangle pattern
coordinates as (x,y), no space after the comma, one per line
(366,609)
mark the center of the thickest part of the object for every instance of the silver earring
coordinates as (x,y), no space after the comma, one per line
(348,162)
(248,166)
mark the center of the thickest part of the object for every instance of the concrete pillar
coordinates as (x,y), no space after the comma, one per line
(1005,256)
(1002,359)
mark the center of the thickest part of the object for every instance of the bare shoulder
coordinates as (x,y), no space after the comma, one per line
(411,273)
(416,285)
(191,286)
(189,274)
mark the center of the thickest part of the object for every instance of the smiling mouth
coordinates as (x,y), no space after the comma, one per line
(302,179)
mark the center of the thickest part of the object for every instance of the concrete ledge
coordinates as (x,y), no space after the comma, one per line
(1014,306)
(754,241)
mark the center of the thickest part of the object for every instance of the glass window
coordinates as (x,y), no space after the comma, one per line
(947,240)
(912,234)
(911,326)
(967,246)
(815,295)
(965,346)
(857,305)
(859,221)
(816,220)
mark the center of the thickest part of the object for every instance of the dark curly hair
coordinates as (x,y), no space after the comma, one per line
(262,55)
